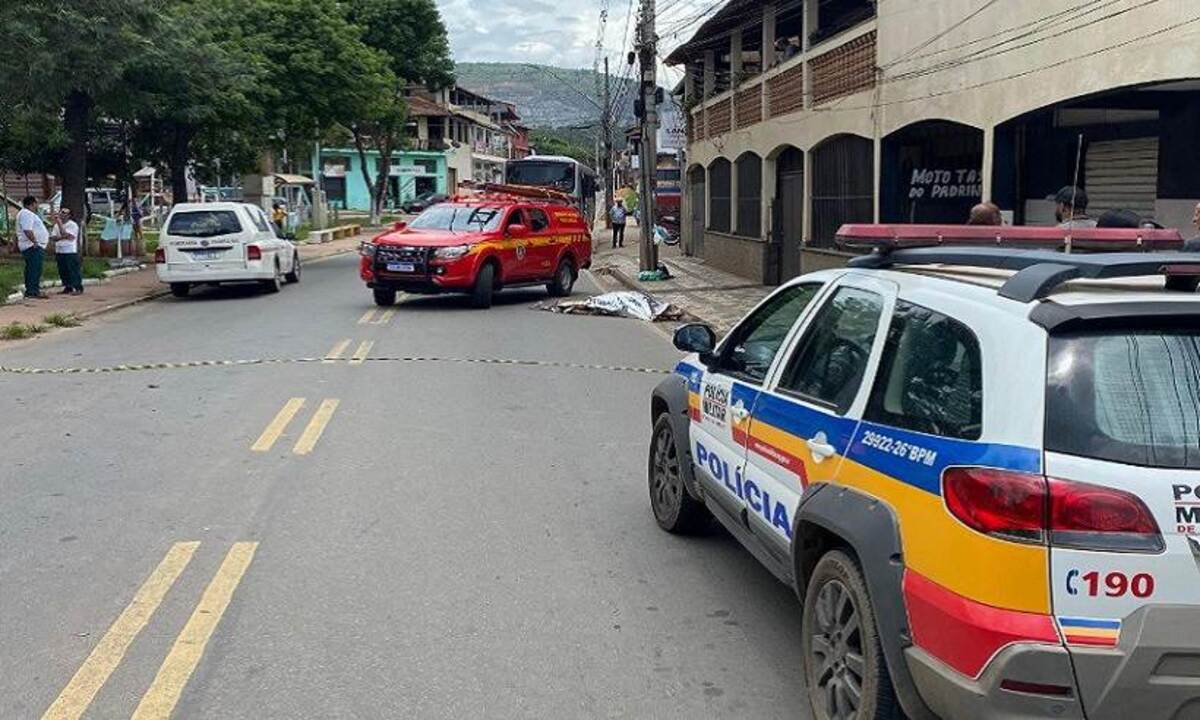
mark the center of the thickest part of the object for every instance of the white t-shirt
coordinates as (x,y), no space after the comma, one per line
(66,246)
(29,220)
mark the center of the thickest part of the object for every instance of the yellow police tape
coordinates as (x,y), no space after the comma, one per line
(140,367)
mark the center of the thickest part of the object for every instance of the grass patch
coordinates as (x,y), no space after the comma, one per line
(12,272)
(303,232)
(20,331)
(62,320)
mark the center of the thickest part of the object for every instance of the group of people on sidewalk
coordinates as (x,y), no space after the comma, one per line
(33,237)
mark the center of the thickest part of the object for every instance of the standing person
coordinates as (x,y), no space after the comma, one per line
(1070,208)
(279,216)
(135,219)
(32,238)
(66,252)
(617,215)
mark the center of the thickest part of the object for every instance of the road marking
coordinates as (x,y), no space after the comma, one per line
(336,352)
(316,426)
(278,425)
(360,355)
(160,700)
(366,318)
(108,653)
(384,318)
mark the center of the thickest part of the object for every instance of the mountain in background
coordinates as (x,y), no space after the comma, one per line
(548,97)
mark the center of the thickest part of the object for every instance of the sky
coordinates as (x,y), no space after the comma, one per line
(561,33)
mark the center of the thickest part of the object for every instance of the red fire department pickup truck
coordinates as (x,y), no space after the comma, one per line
(504,237)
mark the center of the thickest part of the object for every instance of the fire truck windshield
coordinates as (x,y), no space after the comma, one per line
(457,219)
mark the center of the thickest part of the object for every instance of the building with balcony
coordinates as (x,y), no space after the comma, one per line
(807,114)
(453,135)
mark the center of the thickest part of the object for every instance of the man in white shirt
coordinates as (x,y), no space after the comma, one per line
(32,238)
(66,252)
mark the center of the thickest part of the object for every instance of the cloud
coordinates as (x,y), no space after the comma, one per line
(554,32)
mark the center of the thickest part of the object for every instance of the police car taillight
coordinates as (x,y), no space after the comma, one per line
(1003,504)
(1091,517)
(1024,507)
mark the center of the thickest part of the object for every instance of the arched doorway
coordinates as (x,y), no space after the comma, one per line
(788,218)
(696,201)
(843,186)
(931,173)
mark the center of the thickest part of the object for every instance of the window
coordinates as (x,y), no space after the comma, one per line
(204,223)
(751,348)
(719,195)
(749,192)
(457,219)
(929,378)
(1130,396)
(843,186)
(828,365)
(260,221)
(538,220)
(516,218)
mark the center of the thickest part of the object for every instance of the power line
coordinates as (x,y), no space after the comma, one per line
(545,70)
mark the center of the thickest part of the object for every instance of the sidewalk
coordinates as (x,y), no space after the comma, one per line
(714,296)
(124,290)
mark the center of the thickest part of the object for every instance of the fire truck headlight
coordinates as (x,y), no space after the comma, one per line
(452,252)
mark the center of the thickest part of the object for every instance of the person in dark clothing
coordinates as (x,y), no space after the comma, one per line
(1119,219)
(1070,208)
(617,215)
(985,214)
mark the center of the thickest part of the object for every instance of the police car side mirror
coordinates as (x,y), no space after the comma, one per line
(695,338)
(517,231)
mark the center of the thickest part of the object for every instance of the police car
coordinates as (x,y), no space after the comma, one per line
(979,467)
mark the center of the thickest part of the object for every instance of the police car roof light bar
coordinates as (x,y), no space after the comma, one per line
(888,238)
(1039,272)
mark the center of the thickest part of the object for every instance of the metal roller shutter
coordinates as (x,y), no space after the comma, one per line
(1122,175)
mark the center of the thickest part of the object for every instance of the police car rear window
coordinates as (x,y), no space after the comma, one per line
(1126,396)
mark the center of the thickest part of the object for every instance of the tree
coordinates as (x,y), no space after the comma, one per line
(198,83)
(411,37)
(61,57)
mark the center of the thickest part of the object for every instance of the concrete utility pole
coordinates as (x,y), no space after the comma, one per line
(648,86)
(606,122)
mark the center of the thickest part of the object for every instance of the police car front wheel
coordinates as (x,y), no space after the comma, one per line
(675,510)
(844,664)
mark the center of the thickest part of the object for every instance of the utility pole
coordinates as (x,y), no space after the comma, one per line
(606,121)
(648,86)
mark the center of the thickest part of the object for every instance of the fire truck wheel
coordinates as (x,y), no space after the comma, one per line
(485,287)
(564,279)
(385,297)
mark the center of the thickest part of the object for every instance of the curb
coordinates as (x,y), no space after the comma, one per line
(628,282)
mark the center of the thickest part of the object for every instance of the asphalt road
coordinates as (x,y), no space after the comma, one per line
(383,539)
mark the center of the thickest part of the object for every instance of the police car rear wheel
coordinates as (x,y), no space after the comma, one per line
(844,665)
(674,509)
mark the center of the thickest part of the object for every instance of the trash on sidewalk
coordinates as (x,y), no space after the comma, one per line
(624,303)
(662,272)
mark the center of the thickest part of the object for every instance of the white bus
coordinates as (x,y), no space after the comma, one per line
(560,173)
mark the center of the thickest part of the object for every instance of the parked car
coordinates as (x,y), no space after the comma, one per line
(978,468)
(423,202)
(479,247)
(223,242)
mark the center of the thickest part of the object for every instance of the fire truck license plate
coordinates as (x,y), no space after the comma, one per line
(401,267)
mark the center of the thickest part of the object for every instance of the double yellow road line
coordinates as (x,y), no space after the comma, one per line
(163,695)
(369,318)
(337,352)
(312,432)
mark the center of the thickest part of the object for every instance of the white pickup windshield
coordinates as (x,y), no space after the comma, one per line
(1126,396)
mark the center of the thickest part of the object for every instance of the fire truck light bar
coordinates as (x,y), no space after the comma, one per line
(886,237)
